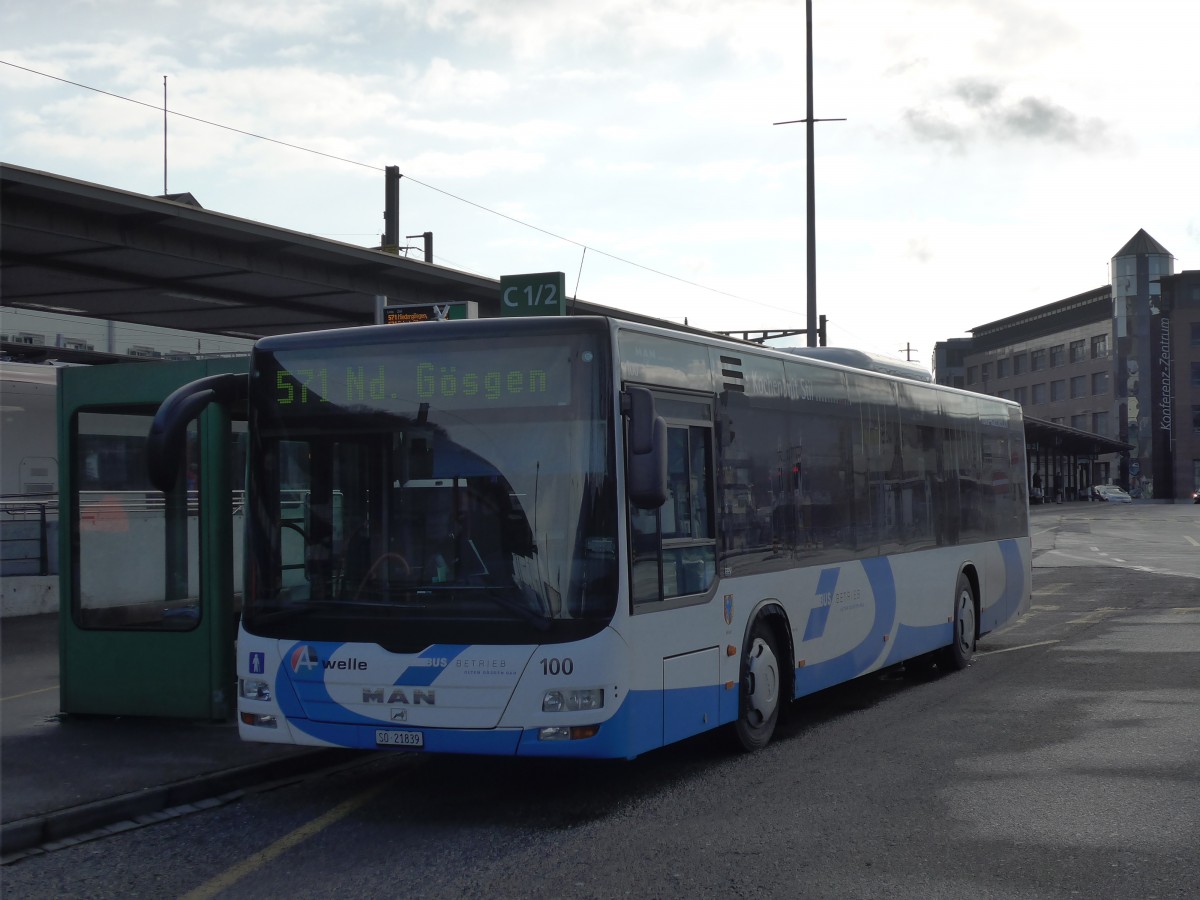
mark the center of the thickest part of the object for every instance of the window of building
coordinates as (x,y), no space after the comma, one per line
(1078,351)
(1196,335)
(1057,420)
(1037,360)
(1003,366)
(1100,423)
(1080,421)
(1196,420)
(1078,386)
(971,372)
(1058,390)
(1196,474)
(1021,395)
(1099,382)
(1020,364)
(1196,374)
(1004,395)
(1039,394)
(1100,346)
(1058,355)
(985,372)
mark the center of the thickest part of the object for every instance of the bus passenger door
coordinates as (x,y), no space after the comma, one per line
(674,546)
(673,566)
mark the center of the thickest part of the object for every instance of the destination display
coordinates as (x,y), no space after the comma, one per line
(528,376)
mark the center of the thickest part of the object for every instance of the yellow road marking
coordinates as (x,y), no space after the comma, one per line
(1011,649)
(53,687)
(230,877)
(1052,589)
(1096,615)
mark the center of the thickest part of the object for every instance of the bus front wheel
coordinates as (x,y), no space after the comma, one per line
(958,654)
(758,706)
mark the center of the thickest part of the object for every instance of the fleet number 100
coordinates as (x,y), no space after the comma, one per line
(556,666)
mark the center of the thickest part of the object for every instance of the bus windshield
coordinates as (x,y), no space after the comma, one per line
(410,490)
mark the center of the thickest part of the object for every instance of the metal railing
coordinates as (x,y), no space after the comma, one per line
(28,534)
(29,523)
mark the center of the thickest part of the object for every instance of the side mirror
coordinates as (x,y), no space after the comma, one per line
(646,450)
(165,443)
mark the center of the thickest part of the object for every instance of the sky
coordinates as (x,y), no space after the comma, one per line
(995,153)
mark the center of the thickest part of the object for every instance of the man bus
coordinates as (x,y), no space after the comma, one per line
(582,536)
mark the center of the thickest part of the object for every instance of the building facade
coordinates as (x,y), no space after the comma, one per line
(1179,390)
(1138,329)
(1120,361)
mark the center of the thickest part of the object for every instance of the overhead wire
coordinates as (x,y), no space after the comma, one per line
(427,186)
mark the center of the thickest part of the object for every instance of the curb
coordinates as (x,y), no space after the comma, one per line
(149,804)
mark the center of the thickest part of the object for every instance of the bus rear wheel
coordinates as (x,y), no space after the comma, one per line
(762,680)
(958,654)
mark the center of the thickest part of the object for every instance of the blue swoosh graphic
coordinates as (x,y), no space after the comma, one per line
(854,661)
(818,616)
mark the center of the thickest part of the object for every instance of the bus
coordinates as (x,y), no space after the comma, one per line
(581,536)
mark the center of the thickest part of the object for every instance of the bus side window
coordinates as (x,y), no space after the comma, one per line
(674,550)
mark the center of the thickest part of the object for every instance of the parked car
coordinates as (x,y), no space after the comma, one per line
(1196,496)
(1110,493)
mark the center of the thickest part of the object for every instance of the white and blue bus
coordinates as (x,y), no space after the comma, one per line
(581,536)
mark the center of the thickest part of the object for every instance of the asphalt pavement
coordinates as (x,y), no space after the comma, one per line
(65,779)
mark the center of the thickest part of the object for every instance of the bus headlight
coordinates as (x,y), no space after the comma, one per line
(573,699)
(253,689)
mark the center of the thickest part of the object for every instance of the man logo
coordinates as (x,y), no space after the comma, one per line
(304,657)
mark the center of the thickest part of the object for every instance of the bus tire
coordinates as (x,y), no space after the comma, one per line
(957,655)
(760,690)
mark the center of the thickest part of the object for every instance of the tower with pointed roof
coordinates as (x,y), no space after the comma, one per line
(1141,378)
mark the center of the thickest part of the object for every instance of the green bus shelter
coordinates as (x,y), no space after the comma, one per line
(149,581)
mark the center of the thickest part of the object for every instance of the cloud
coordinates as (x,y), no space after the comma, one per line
(977,94)
(919,250)
(928,125)
(974,110)
(1042,120)
(277,16)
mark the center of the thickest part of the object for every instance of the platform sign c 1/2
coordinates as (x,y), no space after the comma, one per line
(540,294)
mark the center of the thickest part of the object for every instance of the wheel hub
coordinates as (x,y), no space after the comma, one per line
(762,682)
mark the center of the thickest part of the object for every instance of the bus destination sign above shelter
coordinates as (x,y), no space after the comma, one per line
(404,314)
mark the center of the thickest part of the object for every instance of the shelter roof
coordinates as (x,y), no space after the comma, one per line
(78,248)
(1060,439)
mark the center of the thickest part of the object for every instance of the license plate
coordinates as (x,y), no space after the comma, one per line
(399,738)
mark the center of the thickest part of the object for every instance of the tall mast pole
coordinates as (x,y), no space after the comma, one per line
(810,120)
(164,135)
(812,203)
